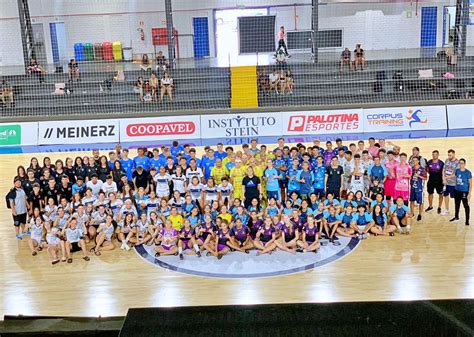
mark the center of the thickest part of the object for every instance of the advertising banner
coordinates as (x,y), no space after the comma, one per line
(405,119)
(79,132)
(461,116)
(240,125)
(18,134)
(322,122)
(160,128)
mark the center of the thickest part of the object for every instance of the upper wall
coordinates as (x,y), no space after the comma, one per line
(375,25)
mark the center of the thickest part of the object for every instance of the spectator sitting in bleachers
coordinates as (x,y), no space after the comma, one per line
(263,81)
(146,64)
(166,86)
(274,80)
(161,62)
(6,93)
(282,82)
(345,59)
(153,84)
(147,92)
(35,68)
(359,57)
(138,87)
(290,81)
(73,70)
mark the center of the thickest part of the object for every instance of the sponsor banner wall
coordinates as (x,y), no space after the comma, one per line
(405,119)
(241,125)
(17,134)
(322,122)
(461,116)
(160,128)
(78,132)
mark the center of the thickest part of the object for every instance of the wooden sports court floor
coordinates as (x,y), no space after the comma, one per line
(435,262)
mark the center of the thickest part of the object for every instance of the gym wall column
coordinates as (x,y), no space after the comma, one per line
(244,92)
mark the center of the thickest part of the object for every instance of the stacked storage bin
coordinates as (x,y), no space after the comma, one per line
(117,50)
(98,51)
(107,51)
(89,51)
(79,52)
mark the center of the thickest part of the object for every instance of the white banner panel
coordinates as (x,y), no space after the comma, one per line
(405,119)
(461,116)
(322,122)
(79,132)
(18,134)
(241,125)
(160,128)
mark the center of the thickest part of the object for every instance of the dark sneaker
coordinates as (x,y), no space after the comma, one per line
(299,250)
(467,223)
(439,210)
(418,218)
(198,253)
(181,257)
(454,220)
(429,209)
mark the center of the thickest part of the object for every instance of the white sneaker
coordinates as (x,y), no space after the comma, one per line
(123,245)
(365,236)
(444,212)
(127,247)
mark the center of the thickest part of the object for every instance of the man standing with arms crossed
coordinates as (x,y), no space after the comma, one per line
(18,205)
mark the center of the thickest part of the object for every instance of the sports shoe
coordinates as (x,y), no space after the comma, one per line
(400,231)
(454,219)
(467,223)
(198,253)
(181,257)
(299,250)
(439,210)
(19,237)
(364,236)
(26,233)
(127,247)
(444,212)
(123,245)
(336,243)
(418,218)
(429,209)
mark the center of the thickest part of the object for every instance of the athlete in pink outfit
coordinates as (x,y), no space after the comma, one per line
(389,185)
(403,175)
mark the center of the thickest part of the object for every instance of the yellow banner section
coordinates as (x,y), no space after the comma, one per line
(244,87)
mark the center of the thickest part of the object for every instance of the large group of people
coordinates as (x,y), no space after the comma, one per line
(289,198)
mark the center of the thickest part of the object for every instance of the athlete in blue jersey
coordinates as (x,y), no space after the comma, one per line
(417,183)
(208,163)
(240,239)
(293,184)
(399,216)
(331,222)
(128,165)
(377,171)
(347,218)
(142,160)
(319,173)
(361,222)
(380,226)
(306,179)
(272,177)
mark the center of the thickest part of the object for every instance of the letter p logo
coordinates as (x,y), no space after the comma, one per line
(296,123)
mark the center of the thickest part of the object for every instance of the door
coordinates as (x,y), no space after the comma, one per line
(58,42)
(38,38)
(429,16)
(201,37)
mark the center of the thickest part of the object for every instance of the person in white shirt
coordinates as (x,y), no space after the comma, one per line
(193,171)
(274,80)
(95,184)
(109,186)
(166,84)
(357,175)
(163,183)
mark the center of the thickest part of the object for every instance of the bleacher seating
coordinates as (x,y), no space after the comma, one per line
(208,88)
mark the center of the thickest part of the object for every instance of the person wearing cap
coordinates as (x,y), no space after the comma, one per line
(109,185)
(19,207)
(94,184)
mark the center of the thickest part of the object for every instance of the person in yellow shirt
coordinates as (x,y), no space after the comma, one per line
(218,172)
(264,154)
(224,215)
(237,174)
(176,219)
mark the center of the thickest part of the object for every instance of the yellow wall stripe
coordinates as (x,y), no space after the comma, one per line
(244,87)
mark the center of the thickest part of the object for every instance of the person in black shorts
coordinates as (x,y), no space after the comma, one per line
(334,178)
(359,57)
(434,168)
